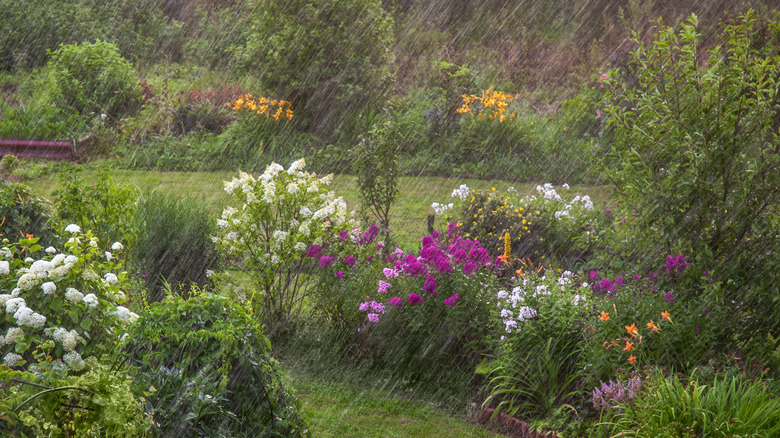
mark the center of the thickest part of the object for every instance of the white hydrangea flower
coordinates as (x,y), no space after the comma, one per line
(41,267)
(5,267)
(111,278)
(14,304)
(125,315)
(297,165)
(73,295)
(27,317)
(68,339)
(49,287)
(222,223)
(93,243)
(58,259)
(74,360)
(292,188)
(91,300)
(5,252)
(4,299)
(109,256)
(15,292)
(73,228)
(29,260)
(71,259)
(117,246)
(89,275)
(11,359)
(50,250)
(75,240)
(13,334)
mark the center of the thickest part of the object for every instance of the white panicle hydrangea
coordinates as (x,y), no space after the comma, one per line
(48,288)
(91,300)
(111,278)
(117,246)
(26,317)
(231,186)
(297,165)
(5,267)
(300,247)
(13,334)
(71,259)
(125,315)
(222,223)
(93,243)
(305,212)
(14,304)
(41,267)
(29,260)
(4,299)
(73,295)
(271,171)
(461,192)
(68,339)
(50,250)
(280,235)
(74,360)
(304,229)
(292,188)
(73,228)
(11,359)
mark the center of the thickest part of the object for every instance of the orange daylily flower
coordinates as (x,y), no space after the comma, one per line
(653,328)
(604,316)
(665,315)
(632,330)
(629,346)
(632,359)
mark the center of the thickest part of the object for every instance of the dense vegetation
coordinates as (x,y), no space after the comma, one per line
(126,312)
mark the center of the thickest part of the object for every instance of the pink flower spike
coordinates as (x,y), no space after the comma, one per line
(373,317)
(598,114)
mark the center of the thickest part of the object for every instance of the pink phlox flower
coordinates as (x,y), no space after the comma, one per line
(373,317)
(452,301)
(325,261)
(349,260)
(390,273)
(383,287)
(430,285)
(365,306)
(396,302)
(598,113)
(415,299)
(377,307)
(340,274)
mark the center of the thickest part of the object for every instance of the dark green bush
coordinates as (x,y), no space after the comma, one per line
(212,371)
(695,157)
(22,213)
(330,58)
(94,78)
(173,244)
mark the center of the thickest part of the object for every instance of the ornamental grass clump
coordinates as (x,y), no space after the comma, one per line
(266,234)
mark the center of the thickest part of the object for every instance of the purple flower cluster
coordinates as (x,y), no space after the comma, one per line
(369,235)
(452,301)
(676,265)
(605,286)
(396,302)
(613,393)
(415,299)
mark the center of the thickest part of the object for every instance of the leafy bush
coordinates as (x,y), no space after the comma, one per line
(94,78)
(23,213)
(105,207)
(695,158)
(322,52)
(376,168)
(730,406)
(40,122)
(266,234)
(78,296)
(173,245)
(211,366)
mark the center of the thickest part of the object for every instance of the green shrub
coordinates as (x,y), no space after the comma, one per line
(40,122)
(729,406)
(212,371)
(94,78)
(23,213)
(105,207)
(329,55)
(173,245)
(376,167)
(695,158)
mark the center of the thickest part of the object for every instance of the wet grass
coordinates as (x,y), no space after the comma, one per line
(408,220)
(340,409)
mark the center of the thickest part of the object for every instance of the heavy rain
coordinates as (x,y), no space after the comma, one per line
(396,218)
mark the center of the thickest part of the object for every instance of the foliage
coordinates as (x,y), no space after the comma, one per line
(78,296)
(23,212)
(173,247)
(266,234)
(39,122)
(48,402)
(695,157)
(94,78)
(210,364)
(731,405)
(321,52)
(376,168)
(105,207)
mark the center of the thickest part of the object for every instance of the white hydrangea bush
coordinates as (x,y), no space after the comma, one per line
(268,230)
(60,303)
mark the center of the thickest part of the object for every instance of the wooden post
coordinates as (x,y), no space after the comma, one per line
(431,218)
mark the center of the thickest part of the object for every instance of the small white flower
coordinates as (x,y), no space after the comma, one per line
(74,360)
(93,244)
(71,259)
(73,228)
(91,300)
(73,295)
(222,223)
(13,334)
(26,317)
(117,246)
(565,186)
(14,304)
(109,256)
(48,288)
(50,250)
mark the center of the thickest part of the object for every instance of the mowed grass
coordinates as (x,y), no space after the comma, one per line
(408,221)
(338,409)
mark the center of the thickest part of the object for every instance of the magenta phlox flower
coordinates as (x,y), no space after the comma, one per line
(379,246)
(436,234)
(443,266)
(365,306)
(398,254)
(377,307)
(383,287)
(373,317)
(339,274)
(370,235)
(668,297)
(396,302)
(452,230)
(430,285)
(415,299)
(470,267)
(459,256)
(480,255)
(314,251)
(431,254)
(349,260)
(325,261)
(676,264)
(598,114)
(390,273)
(414,269)
(428,241)
(452,301)
(343,235)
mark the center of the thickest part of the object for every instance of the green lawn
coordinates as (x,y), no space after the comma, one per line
(408,216)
